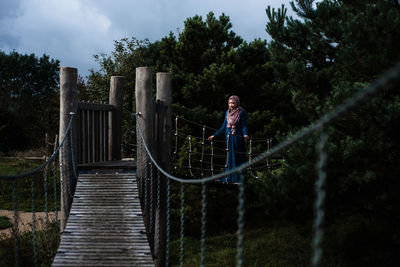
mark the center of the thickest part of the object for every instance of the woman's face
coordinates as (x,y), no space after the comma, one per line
(231,104)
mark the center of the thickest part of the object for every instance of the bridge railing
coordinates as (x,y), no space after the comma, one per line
(154,176)
(93,127)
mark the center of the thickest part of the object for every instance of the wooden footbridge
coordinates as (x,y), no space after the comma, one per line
(103,220)
(105,225)
(116,213)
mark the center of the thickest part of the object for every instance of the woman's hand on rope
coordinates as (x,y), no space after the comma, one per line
(210,138)
(246,138)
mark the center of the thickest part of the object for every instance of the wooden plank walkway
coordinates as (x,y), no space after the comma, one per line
(105,225)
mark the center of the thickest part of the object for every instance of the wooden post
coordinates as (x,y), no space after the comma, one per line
(164,126)
(68,104)
(144,106)
(115,117)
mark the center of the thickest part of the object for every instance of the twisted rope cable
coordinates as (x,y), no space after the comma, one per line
(168,222)
(34,238)
(145,186)
(63,198)
(227,154)
(176,136)
(151,197)
(250,154)
(190,153)
(320,193)
(202,151)
(240,221)
(182,232)
(203,223)
(16,228)
(75,173)
(389,78)
(215,129)
(68,170)
(46,197)
(16,176)
(140,166)
(212,158)
(55,186)
(158,227)
(269,143)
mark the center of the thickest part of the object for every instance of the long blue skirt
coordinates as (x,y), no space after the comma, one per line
(236,156)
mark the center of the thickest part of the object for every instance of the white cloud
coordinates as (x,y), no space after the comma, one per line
(74,30)
(65,29)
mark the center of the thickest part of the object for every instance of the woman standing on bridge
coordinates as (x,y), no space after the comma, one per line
(235,130)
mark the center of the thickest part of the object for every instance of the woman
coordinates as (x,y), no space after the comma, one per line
(235,130)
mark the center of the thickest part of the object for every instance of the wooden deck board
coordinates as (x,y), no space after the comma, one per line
(105,226)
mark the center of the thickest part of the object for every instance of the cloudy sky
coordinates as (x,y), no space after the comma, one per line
(74,30)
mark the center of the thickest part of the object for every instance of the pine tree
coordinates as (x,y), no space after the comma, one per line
(331,51)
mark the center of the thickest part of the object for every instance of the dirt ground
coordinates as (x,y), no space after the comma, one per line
(25,221)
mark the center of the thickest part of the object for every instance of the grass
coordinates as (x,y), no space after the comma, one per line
(17,165)
(277,245)
(26,255)
(11,166)
(5,222)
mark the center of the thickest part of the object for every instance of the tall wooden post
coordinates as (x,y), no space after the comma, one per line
(68,104)
(115,117)
(144,106)
(164,126)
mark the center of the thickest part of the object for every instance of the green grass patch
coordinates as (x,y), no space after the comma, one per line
(12,166)
(46,250)
(5,222)
(278,245)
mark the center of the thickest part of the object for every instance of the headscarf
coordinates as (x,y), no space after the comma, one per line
(233,116)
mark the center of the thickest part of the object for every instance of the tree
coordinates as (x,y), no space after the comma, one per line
(28,99)
(333,50)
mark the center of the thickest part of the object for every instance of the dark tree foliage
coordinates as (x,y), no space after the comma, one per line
(208,63)
(335,49)
(28,99)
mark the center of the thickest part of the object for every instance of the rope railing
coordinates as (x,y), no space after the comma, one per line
(389,78)
(214,129)
(50,161)
(200,152)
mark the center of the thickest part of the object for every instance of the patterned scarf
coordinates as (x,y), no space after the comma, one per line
(233,115)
